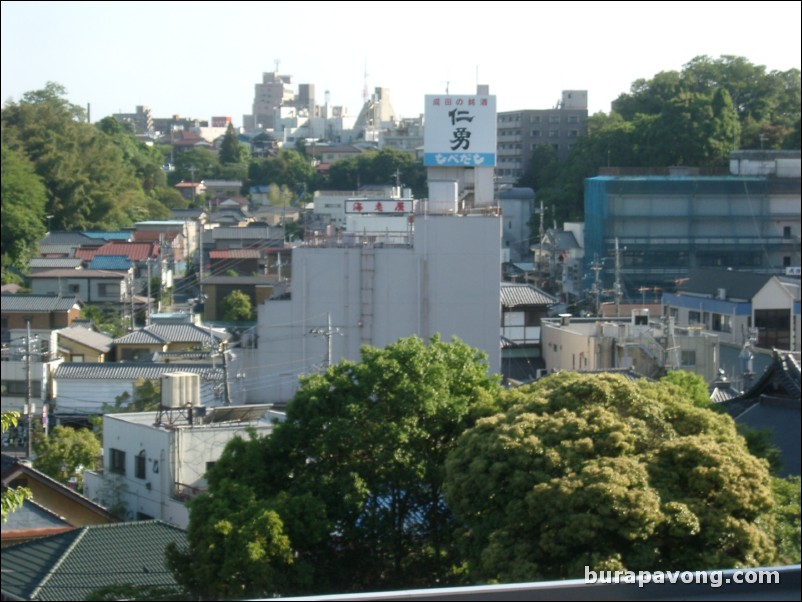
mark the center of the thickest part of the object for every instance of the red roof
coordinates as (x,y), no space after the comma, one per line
(135,251)
(234,254)
(86,253)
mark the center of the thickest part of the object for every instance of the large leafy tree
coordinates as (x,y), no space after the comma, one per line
(237,307)
(593,470)
(66,452)
(231,149)
(387,166)
(23,208)
(353,479)
(11,498)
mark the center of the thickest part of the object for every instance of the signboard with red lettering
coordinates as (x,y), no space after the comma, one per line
(460,131)
(380,207)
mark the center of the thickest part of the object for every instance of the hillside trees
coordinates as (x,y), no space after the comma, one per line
(593,470)
(349,486)
(23,208)
(89,183)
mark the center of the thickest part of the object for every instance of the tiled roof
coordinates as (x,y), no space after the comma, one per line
(514,295)
(54,262)
(89,338)
(32,520)
(129,370)
(135,251)
(70,565)
(57,250)
(85,253)
(123,236)
(255,233)
(170,333)
(110,262)
(37,303)
(62,273)
(73,239)
(155,235)
(234,254)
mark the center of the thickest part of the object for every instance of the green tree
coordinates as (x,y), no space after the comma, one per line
(597,471)
(231,149)
(23,208)
(66,452)
(12,497)
(236,307)
(787,505)
(194,165)
(354,474)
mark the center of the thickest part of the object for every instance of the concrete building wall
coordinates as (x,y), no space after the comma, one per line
(446,283)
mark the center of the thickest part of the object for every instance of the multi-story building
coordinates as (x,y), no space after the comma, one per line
(667,225)
(521,132)
(274,91)
(141,121)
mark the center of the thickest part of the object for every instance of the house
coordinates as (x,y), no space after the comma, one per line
(191,190)
(53,508)
(40,264)
(253,237)
(648,346)
(80,344)
(223,188)
(739,306)
(241,261)
(44,312)
(86,389)
(522,308)
(142,344)
(162,457)
(72,565)
(90,286)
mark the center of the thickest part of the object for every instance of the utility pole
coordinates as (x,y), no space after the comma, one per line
(542,233)
(617,287)
(147,312)
(29,419)
(327,332)
(597,268)
(226,384)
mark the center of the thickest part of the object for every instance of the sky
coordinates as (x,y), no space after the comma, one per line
(198,59)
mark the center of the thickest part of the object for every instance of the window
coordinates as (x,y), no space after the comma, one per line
(554,119)
(76,357)
(117,461)
(139,465)
(536,119)
(689,357)
(786,261)
(572,119)
(554,133)
(209,466)
(786,231)
(535,133)
(694,317)
(73,288)
(108,290)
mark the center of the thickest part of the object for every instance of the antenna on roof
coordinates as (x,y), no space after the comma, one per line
(277,63)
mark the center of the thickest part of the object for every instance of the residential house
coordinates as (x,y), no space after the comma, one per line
(191,190)
(143,344)
(54,507)
(739,306)
(241,261)
(73,565)
(40,264)
(43,312)
(522,308)
(223,188)
(90,286)
(80,344)
(84,389)
(158,460)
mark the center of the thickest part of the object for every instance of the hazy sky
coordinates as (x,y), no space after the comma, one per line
(199,59)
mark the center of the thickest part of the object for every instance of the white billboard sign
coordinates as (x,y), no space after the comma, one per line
(460,131)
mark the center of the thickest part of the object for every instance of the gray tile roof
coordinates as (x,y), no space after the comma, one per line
(73,239)
(514,295)
(54,262)
(130,370)
(36,304)
(70,565)
(62,273)
(737,285)
(170,333)
(85,336)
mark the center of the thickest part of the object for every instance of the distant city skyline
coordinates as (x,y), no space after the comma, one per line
(199,59)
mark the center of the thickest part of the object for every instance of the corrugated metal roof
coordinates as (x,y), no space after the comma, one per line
(736,285)
(110,262)
(514,295)
(135,251)
(120,235)
(69,566)
(130,371)
(37,303)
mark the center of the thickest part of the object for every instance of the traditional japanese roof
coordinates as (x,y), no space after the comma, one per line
(234,254)
(171,333)
(121,235)
(32,520)
(71,565)
(130,371)
(89,338)
(110,262)
(73,239)
(46,263)
(62,273)
(737,285)
(37,304)
(515,295)
(135,251)
(85,253)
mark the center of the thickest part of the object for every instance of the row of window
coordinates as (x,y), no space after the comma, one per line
(538,118)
